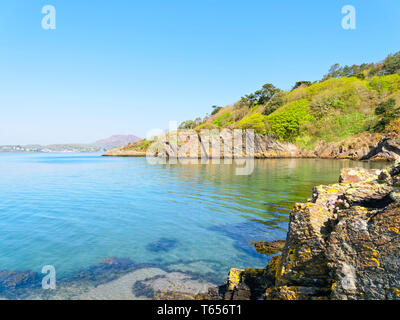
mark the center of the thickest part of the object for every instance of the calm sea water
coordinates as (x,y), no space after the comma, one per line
(74,210)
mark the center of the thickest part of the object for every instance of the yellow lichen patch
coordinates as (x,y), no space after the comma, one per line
(282,293)
(234,278)
(374,254)
(396,291)
(361,210)
(394,229)
(334,284)
(273,265)
(376,261)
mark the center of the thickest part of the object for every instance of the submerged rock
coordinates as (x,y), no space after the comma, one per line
(342,244)
(269,247)
(171,286)
(15,279)
(162,245)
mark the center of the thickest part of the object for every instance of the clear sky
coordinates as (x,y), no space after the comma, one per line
(125,67)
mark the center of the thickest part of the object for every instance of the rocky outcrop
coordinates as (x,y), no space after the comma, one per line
(355,148)
(226,144)
(344,243)
(230,144)
(269,247)
(366,146)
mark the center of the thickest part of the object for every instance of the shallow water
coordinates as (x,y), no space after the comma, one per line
(74,210)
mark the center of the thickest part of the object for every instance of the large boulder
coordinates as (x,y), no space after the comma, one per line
(342,244)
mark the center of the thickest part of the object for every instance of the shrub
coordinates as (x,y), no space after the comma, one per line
(388,112)
(141,145)
(222,119)
(391,64)
(325,104)
(216,109)
(286,122)
(255,121)
(205,126)
(394,126)
(274,103)
(390,83)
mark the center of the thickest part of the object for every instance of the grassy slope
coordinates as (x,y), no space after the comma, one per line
(334,109)
(330,110)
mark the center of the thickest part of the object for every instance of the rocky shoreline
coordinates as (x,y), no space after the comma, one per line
(343,244)
(366,146)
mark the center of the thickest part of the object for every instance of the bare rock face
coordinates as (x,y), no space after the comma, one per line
(388,148)
(233,144)
(228,144)
(363,254)
(352,148)
(342,244)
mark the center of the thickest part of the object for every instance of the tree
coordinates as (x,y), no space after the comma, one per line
(391,64)
(301,84)
(267,92)
(185,125)
(274,103)
(215,109)
(388,112)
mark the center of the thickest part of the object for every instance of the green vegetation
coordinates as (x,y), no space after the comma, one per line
(141,145)
(348,100)
(223,120)
(255,121)
(286,122)
(389,83)
(215,110)
(388,112)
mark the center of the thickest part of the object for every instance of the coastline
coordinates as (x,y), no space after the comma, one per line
(334,248)
(343,244)
(365,147)
(352,183)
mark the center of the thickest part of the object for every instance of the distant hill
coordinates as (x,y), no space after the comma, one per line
(116,141)
(98,146)
(52,148)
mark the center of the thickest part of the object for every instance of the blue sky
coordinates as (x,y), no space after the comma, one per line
(125,67)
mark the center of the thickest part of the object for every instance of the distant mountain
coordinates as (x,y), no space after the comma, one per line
(116,141)
(98,146)
(53,148)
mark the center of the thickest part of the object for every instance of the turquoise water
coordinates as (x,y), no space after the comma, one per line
(74,210)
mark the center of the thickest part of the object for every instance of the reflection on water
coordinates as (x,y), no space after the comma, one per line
(74,210)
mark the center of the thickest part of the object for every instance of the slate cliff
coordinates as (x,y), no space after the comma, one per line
(365,146)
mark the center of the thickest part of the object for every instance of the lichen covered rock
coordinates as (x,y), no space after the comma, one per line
(269,247)
(342,244)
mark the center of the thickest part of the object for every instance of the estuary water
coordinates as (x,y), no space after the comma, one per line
(73,211)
